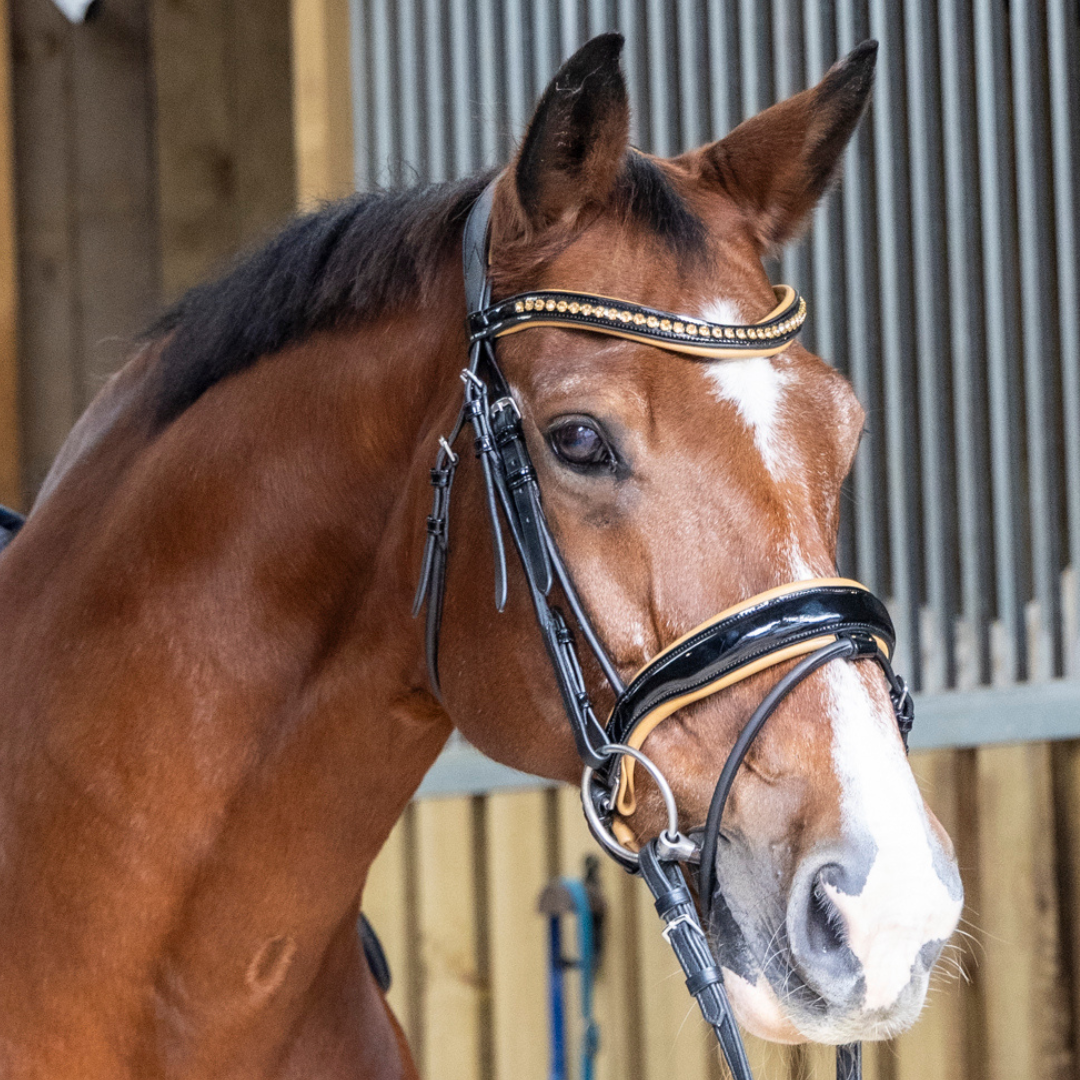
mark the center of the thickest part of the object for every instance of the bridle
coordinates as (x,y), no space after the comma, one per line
(812,622)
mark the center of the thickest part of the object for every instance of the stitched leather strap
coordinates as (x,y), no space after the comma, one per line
(687,939)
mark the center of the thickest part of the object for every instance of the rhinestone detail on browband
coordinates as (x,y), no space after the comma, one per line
(585,311)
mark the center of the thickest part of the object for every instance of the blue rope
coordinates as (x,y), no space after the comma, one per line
(586,965)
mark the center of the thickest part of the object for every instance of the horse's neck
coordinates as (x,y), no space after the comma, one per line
(214,691)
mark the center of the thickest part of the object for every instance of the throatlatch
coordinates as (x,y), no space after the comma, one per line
(812,622)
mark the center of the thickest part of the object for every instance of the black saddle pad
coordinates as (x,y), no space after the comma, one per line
(10,524)
(373,950)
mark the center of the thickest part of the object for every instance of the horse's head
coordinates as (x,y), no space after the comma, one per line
(676,487)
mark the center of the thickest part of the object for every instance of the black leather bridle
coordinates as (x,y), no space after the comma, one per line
(812,622)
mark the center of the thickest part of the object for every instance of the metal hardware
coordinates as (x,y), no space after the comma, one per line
(678,920)
(506,403)
(601,829)
(681,849)
(446,449)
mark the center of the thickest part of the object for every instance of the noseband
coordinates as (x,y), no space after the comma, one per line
(812,622)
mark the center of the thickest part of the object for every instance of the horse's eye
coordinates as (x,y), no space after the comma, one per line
(579,443)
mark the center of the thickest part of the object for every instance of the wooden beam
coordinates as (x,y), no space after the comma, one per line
(224,130)
(386,904)
(936,1048)
(322,100)
(1021,979)
(87,236)
(451,1041)
(518,863)
(617,1004)
(10,468)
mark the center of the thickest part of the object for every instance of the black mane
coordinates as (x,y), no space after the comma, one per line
(341,263)
(348,261)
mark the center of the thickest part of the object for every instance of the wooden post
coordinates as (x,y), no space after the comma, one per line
(1022,977)
(387,903)
(322,100)
(226,172)
(87,235)
(10,475)
(451,1040)
(518,867)
(617,1006)
(936,1048)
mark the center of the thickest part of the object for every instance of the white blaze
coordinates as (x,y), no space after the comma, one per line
(904,903)
(756,387)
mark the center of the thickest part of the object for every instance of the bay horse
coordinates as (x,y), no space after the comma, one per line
(216,702)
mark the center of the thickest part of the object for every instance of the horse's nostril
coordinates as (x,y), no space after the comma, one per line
(825,929)
(818,932)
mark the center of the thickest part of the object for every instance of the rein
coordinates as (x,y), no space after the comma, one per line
(814,622)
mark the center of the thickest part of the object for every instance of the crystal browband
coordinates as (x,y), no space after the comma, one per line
(681,333)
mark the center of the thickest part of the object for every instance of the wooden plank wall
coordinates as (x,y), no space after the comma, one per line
(454,898)
(85,196)
(152,142)
(224,140)
(10,460)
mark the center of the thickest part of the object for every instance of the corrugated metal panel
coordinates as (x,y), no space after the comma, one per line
(942,276)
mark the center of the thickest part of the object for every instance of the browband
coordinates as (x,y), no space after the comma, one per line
(758,634)
(619,318)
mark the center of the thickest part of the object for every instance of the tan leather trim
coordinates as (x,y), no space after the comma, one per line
(626,802)
(623,833)
(785,295)
(645,339)
(761,598)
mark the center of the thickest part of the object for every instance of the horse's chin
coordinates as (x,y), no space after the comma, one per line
(759,1011)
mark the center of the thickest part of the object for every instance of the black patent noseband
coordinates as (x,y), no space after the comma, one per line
(811,622)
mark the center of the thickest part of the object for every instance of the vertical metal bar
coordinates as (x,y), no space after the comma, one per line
(382,92)
(930,313)
(785,44)
(722,106)
(1064,121)
(823,331)
(358,56)
(691,132)
(862,369)
(569,30)
(632,24)
(1036,294)
(597,18)
(514,46)
(991,81)
(544,61)
(722,34)
(749,58)
(889,134)
(965,325)
(790,78)
(659,106)
(462,159)
(434,99)
(486,63)
(408,50)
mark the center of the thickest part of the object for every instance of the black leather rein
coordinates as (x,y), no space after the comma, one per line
(811,623)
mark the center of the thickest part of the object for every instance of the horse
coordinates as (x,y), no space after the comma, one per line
(216,700)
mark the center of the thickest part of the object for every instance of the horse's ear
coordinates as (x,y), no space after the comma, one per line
(778,164)
(577,136)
